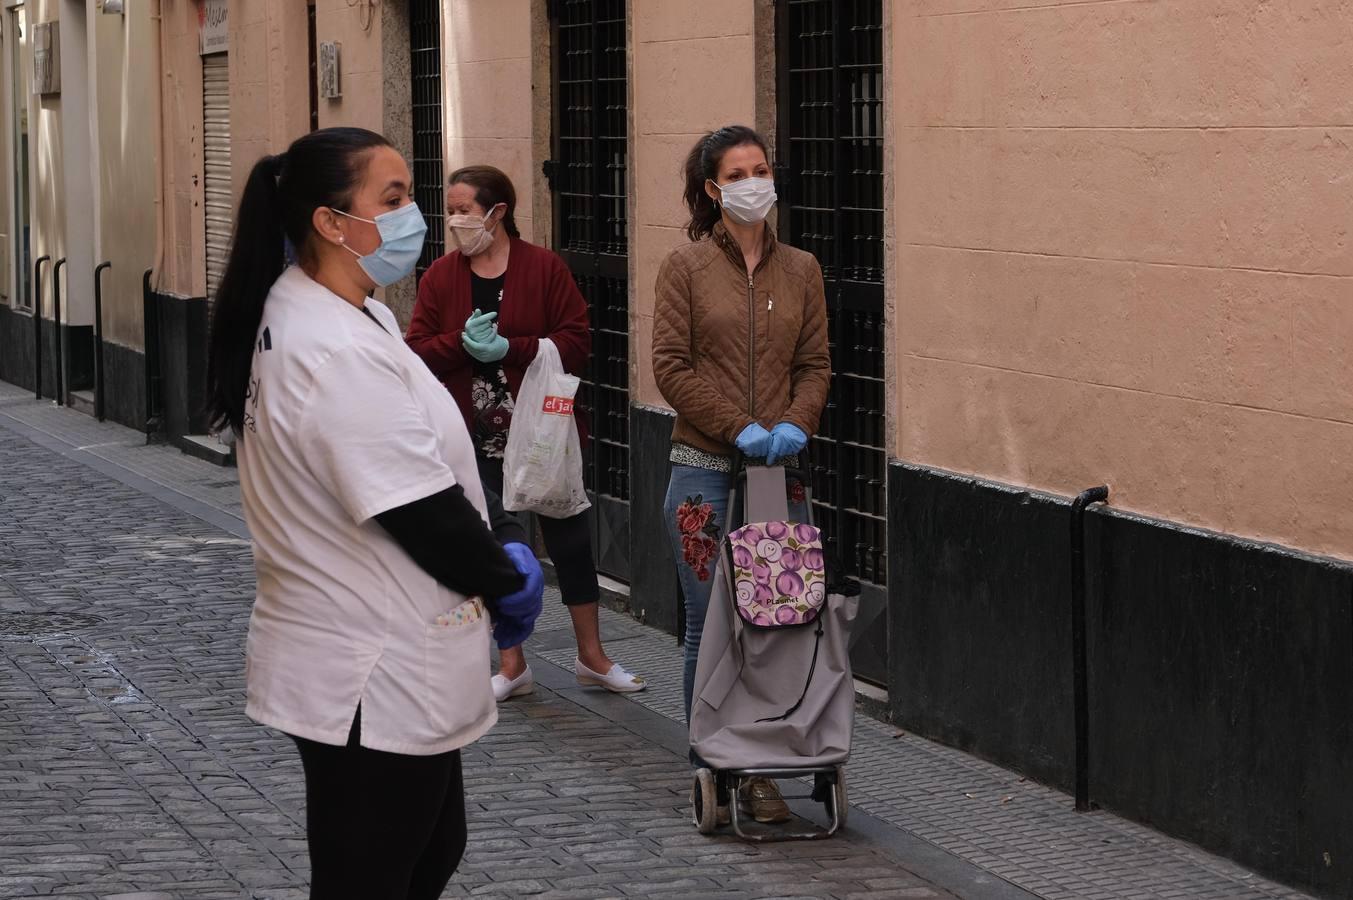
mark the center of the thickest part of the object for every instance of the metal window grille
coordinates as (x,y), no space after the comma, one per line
(587,175)
(425,51)
(830,57)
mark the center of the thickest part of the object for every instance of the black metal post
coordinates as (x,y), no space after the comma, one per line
(98,339)
(60,332)
(150,330)
(37,325)
(1081,673)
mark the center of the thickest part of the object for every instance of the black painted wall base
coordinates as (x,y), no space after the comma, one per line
(980,649)
(654,595)
(16,353)
(183,363)
(124,397)
(124,367)
(1220,670)
(1221,687)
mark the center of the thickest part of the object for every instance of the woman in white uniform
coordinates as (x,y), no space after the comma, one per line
(377,566)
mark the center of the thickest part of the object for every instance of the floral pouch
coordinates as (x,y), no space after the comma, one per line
(467,613)
(779,573)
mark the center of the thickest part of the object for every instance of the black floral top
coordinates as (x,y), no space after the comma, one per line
(488,388)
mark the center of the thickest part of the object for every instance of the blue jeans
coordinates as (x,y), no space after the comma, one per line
(696,512)
(695,497)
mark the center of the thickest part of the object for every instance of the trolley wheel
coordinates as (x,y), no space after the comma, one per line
(705,802)
(839,797)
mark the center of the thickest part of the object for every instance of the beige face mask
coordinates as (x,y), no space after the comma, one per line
(471,233)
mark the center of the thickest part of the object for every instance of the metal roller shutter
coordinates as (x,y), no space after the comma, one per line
(216,154)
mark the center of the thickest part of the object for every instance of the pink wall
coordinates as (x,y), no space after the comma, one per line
(692,70)
(1123,254)
(269,81)
(486,80)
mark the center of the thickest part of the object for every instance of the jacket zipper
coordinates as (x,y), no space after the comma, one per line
(751,346)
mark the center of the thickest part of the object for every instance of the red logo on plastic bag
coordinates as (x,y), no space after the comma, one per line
(558,406)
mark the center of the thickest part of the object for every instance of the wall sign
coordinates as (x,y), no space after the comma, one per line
(330,87)
(213,26)
(47,58)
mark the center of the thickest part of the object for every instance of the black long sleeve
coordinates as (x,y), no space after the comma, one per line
(506,527)
(446,537)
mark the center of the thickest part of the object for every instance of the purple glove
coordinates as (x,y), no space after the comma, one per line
(514,616)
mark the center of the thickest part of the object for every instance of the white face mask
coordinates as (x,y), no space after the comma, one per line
(747,201)
(471,233)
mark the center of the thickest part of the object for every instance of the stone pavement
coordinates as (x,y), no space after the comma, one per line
(127,765)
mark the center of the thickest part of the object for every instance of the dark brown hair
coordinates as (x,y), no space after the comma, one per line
(702,164)
(491,187)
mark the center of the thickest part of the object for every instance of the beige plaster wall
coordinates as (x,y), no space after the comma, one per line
(182,269)
(488,97)
(693,69)
(47,163)
(1123,254)
(360,62)
(125,99)
(269,80)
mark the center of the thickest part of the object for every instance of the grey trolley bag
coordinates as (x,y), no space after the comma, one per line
(773,696)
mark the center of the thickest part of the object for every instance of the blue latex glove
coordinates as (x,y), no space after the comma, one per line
(785,440)
(479,327)
(490,351)
(515,615)
(754,442)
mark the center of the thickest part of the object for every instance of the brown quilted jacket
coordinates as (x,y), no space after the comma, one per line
(729,350)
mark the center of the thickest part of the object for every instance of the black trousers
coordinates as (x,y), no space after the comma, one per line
(381,826)
(568,541)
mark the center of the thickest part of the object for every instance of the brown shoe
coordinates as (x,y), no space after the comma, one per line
(761,798)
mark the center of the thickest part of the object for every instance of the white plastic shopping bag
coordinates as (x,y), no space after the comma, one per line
(543,461)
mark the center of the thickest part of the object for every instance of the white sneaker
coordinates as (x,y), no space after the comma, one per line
(617,680)
(505,688)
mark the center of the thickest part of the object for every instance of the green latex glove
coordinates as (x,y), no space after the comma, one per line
(479,327)
(492,350)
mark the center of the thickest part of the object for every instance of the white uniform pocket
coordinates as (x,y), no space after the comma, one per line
(456,669)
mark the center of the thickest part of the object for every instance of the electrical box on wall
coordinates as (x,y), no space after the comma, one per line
(330,87)
(47,58)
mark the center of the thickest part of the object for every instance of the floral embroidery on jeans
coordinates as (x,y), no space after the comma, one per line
(699,534)
(795,492)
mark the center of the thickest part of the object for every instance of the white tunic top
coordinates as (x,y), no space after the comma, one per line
(343,421)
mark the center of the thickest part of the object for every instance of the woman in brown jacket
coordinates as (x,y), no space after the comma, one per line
(740,352)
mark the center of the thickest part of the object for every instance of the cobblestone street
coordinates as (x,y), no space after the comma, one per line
(127,765)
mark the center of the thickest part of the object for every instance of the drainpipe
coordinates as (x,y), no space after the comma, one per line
(150,306)
(161,226)
(98,339)
(37,324)
(1081,677)
(60,333)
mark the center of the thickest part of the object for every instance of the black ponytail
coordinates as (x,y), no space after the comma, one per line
(322,168)
(702,164)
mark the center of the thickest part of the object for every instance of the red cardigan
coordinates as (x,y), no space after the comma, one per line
(540,299)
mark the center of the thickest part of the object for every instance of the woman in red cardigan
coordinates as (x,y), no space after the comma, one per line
(481,312)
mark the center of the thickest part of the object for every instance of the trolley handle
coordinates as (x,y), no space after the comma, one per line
(736,513)
(740,470)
